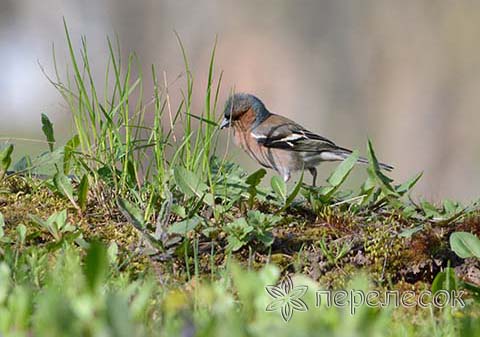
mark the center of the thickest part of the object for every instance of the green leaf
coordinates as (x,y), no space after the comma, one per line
(112,253)
(48,159)
(191,185)
(429,210)
(408,185)
(56,224)
(409,211)
(294,193)
(179,210)
(234,243)
(229,170)
(279,187)
(451,207)
(64,186)
(341,173)
(132,213)
(343,170)
(82,192)
(107,175)
(47,128)
(237,231)
(465,244)
(407,233)
(257,219)
(68,151)
(96,264)
(185,226)
(5,160)
(23,164)
(262,225)
(38,221)
(131,172)
(256,177)
(445,280)
(367,190)
(266,238)
(253,181)
(374,171)
(59,218)
(22,233)
(188,182)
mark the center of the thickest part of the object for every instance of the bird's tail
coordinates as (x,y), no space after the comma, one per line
(344,153)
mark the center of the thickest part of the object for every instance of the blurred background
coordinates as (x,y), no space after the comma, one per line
(404,73)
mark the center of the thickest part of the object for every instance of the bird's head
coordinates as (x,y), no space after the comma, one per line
(238,106)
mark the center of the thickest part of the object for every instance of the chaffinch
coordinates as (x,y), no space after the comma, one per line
(277,142)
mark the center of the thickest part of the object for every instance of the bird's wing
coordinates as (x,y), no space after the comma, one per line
(282,133)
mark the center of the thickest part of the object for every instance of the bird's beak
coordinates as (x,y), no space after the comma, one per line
(225,123)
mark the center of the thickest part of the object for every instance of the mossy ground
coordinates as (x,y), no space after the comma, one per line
(373,241)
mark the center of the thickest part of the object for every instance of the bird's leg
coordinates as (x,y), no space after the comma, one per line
(313,172)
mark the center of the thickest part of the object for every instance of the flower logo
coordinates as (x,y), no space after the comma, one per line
(286,298)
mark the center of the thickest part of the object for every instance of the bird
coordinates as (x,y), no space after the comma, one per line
(277,142)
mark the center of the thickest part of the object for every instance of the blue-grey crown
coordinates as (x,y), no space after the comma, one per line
(238,103)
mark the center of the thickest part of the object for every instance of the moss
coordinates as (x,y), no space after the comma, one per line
(21,198)
(372,239)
